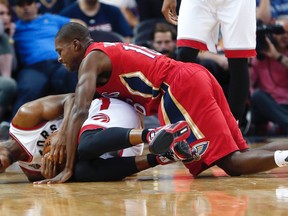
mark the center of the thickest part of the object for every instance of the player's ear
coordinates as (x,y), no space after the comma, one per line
(76,44)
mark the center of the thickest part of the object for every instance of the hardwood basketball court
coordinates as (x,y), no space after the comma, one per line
(163,190)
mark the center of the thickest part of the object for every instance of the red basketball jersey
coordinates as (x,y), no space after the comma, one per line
(139,81)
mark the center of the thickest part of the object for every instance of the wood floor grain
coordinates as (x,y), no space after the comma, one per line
(163,190)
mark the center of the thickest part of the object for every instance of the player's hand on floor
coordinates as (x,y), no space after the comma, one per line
(62,177)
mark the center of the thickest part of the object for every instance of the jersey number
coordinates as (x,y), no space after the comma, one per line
(143,50)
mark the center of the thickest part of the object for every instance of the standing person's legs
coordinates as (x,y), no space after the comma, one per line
(239,40)
(197,30)
(187,54)
(238,90)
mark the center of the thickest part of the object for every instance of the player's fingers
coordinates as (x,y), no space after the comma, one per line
(165,11)
(49,169)
(46,181)
(61,155)
(173,17)
(45,161)
(56,154)
(54,170)
(42,181)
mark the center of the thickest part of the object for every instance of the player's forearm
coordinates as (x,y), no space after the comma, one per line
(77,120)
(68,104)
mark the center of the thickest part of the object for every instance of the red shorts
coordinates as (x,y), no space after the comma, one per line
(194,95)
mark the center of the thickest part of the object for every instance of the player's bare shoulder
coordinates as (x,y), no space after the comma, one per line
(96,61)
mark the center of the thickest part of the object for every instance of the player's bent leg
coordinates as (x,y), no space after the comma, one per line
(112,169)
(248,162)
(94,143)
(162,139)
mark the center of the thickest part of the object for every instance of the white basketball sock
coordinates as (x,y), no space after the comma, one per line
(281,158)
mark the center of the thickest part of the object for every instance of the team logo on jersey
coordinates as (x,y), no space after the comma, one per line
(110,94)
(101,117)
(199,149)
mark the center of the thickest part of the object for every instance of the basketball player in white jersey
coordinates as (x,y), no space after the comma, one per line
(110,140)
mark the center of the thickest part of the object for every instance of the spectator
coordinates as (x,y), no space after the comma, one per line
(128,8)
(269,81)
(263,11)
(53,6)
(7,83)
(164,39)
(40,73)
(5,14)
(99,16)
(268,10)
(46,6)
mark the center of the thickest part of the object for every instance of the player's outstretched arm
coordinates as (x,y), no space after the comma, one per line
(85,90)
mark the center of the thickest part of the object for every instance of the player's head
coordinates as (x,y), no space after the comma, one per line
(71,42)
(6,157)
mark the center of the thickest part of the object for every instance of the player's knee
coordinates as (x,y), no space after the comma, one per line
(187,54)
(230,164)
(87,145)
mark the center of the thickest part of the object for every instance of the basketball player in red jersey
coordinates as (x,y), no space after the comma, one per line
(152,82)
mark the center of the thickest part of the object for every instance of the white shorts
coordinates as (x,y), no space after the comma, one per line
(199,22)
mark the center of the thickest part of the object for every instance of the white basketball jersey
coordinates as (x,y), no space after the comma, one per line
(32,141)
(103,113)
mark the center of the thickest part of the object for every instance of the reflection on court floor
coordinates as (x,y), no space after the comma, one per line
(163,190)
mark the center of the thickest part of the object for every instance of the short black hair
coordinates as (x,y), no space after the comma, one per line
(24,2)
(73,30)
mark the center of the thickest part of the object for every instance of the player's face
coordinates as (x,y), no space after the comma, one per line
(4,159)
(68,55)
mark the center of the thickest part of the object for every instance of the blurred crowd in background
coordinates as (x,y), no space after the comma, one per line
(29,68)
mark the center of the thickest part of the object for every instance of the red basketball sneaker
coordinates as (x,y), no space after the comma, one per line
(162,139)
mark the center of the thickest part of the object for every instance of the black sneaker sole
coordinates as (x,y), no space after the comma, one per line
(161,143)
